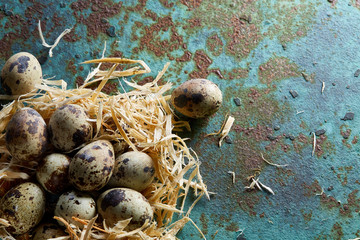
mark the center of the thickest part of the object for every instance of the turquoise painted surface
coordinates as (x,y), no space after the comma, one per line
(257,51)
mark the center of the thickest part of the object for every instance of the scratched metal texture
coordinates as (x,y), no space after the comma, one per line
(257,51)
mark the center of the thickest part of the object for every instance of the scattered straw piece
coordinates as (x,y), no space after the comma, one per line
(66,31)
(85,234)
(270,163)
(266,188)
(298,112)
(7,173)
(259,185)
(314,144)
(233,176)
(85,222)
(226,129)
(197,228)
(320,194)
(72,233)
(4,222)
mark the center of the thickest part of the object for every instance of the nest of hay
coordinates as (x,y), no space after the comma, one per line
(144,120)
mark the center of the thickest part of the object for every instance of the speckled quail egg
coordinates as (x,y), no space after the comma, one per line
(197,98)
(69,128)
(20,74)
(48,230)
(75,204)
(92,166)
(52,173)
(23,206)
(133,170)
(123,203)
(26,135)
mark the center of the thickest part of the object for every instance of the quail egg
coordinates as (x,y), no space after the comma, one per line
(20,74)
(69,128)
(23,206)
(52,173)
(118,204)
(133,170)
(75,204)
(48,230)
(91,168)
(197,98)
(26,135)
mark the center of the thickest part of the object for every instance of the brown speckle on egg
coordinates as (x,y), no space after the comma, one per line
(52,173)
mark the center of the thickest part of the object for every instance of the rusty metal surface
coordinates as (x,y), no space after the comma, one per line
(293,64)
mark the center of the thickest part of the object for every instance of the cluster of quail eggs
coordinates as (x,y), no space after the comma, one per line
(76,170)
(85,177)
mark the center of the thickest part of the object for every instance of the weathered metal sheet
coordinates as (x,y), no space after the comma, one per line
(292,64)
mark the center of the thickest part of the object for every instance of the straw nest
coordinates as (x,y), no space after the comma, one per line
(150,126)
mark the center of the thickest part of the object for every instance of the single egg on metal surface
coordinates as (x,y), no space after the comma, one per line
(21,73)
(197,98)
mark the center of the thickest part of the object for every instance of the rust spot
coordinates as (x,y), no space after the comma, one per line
(166,3)
(355,139)
(185,57)
(151,40)
(277,68)
(100,10)
(71,67)
(307,215)
(337,231)
(204,223)
(215,44)
(233,227)
(191,4)
(146,80)
(311,190)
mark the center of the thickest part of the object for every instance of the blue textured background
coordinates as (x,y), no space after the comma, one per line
(254,50)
